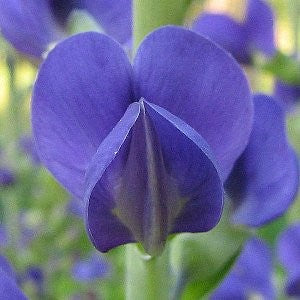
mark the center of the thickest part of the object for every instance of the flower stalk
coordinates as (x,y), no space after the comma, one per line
(147,277)
(151,14)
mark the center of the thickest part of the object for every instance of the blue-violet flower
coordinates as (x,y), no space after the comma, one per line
(255,33)
(250,276)
(147,146)
(31,25)
(265,179)
(288,251)
(8,286)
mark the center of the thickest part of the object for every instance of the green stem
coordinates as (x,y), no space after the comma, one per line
(11,222)
(14,97)
(294,11)
(151,14)
(147,277)
(296,31)
(180,284)
(10,196)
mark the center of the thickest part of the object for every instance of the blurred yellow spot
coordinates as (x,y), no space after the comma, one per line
(234,8)
(260,82)
(284,36)
(193,12)
(25,75)
(256,296)
(4,84)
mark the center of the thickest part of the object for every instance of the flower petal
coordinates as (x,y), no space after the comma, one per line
(6,267)
(226,32)
(113,16)
(259,25)
(3,236)
(157,178)
(265,180)
(251,274)
(288,251)
(289,247)
(61,9)
(28,25)
(8,287)
(35,274)
(197,81)
(76,207)
(91,268)
(7,177)
(82,90)
(288,94)
(104,228)
(293,285)
(190,161)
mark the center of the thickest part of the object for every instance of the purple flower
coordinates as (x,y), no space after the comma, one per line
(8,287)
(251,275)
(114,17)
(61,9)
(289,254)
(288,94)
(27,233)
(76,207)
(6,267)
(31,25)
(141,144)
(255,33)
(7,177)
(91,268)
(35,275)
(3,236)
(28,147)
(265,179)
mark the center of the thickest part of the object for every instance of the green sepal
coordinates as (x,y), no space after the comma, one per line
(202,260)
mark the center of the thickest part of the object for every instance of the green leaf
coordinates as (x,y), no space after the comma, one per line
(202,260)
(284,67)
(199,289)
(271,231)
